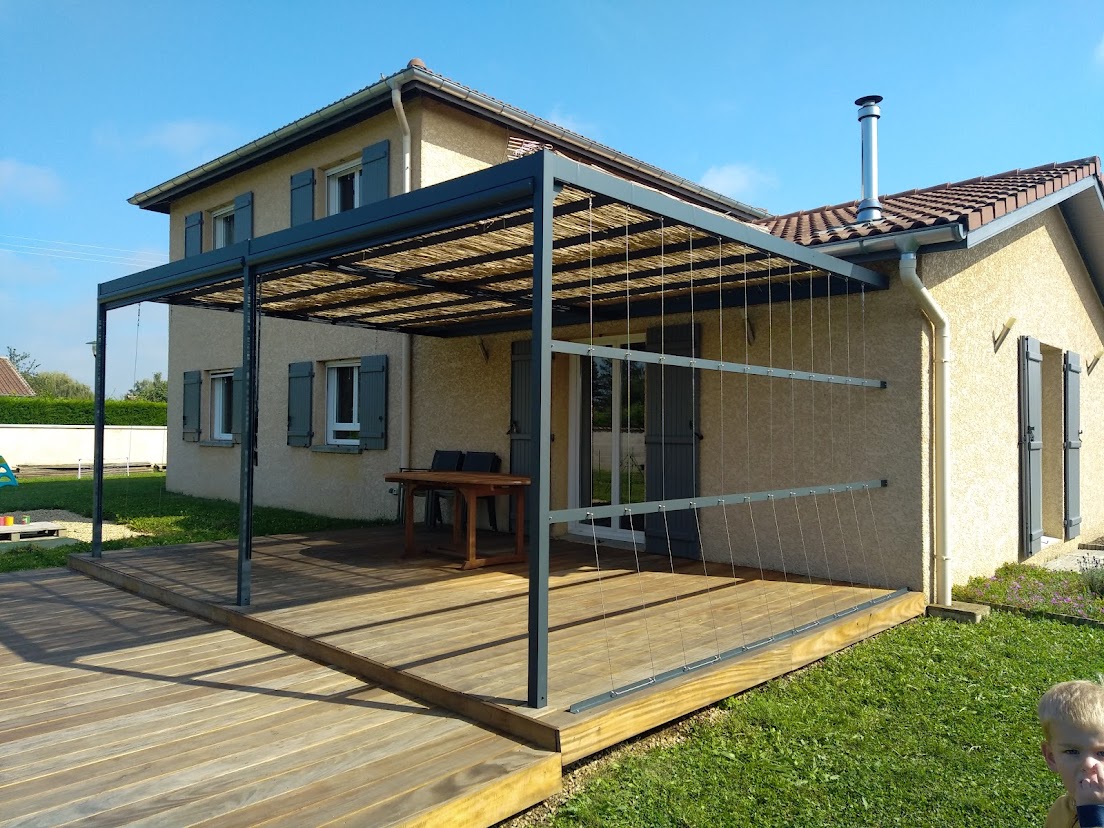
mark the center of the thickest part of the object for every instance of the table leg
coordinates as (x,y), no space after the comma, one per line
(472,504)
(408,519)
(519,519)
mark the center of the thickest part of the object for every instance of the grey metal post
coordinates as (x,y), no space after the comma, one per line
(542,436)
(250,312)
(98,440)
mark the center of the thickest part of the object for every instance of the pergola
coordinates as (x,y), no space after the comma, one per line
(527,245)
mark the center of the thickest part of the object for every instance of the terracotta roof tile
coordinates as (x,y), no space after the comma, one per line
(972,203)
(12,383)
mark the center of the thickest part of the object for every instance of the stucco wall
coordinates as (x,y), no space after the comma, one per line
(344,485)
(1034,273)
(70,445)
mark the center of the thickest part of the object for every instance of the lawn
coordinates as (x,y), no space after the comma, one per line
(929,724)
(141,502)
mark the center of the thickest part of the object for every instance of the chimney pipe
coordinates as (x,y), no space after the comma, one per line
(870,209)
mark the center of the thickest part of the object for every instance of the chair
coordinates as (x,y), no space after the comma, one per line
(481,461)
(443,460)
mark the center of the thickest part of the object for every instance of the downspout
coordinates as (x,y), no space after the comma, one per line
(941,436)
(407,349)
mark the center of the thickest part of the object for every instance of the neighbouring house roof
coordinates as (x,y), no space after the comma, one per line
(525,128)
(12,383)
(973,204)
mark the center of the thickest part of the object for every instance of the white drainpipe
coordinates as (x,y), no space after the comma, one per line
(407,350)
(941,438)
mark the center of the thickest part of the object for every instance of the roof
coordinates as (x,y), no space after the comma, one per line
(418,80)
(972,204)
(12,383)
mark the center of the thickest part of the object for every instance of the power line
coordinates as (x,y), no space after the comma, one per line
(158,256)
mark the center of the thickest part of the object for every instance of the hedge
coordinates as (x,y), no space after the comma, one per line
(44,411)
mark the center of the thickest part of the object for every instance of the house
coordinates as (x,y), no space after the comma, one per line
(12,383)
(884,393)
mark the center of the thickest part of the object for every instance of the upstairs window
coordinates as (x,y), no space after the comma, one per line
(223,221)
(222,405)
(343,187)
(342,393)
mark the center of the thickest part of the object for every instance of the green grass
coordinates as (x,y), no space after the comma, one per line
(141,502)
(1036,588)
(930,724)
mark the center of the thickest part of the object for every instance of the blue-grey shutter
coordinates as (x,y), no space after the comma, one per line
(375,173)
(300,394)
(521,414)
(236,397)
(671,431)
(243,217)
(372,402)
(1073,444)
(193,234)
(1031,445)
(193,381)
(302,197)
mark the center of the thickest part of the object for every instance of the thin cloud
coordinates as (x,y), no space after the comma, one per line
(188,137)
(739,181)
(570,122)
(27,183)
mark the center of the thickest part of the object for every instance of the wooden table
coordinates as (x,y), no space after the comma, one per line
(469,487)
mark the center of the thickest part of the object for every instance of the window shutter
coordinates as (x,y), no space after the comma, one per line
(193,380)
(1073,444)
(375,173)
(521,415)
(193,234)
(302,198)
(671,441)
(300,393)
(1031,445)
(243,217)
(236,404)
(372,405)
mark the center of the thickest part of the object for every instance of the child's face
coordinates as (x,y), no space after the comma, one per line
(1077,755)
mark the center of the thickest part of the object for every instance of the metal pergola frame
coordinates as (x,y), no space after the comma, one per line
(510,221)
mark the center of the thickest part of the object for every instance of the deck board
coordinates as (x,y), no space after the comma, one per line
(135,713)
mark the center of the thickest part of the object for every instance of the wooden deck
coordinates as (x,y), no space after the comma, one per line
(115,710)
(458,639)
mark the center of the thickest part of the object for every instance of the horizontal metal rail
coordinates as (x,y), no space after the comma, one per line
(583,349)
(704,501)
(624,690)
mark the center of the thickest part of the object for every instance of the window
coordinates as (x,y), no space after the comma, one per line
(342,416)
(223,221)
(222,405)
(343,187)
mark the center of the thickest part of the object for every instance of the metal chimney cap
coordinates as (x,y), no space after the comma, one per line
(869,99)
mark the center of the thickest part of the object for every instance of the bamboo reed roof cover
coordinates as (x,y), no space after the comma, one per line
(479,275)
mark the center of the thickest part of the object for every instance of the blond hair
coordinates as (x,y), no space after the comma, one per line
(1080,703)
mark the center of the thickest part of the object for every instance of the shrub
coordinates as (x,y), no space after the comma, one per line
(42,411)
(1092,571)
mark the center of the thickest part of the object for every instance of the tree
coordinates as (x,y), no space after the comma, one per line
(57,385)
(22,362)
(152,390)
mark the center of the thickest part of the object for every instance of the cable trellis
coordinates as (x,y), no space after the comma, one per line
(685,613)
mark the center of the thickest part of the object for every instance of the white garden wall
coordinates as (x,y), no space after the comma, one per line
(70,445)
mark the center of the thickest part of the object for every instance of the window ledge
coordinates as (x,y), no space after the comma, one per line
(218,443)
(328,449)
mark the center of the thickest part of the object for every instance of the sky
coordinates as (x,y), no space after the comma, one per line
(101,100)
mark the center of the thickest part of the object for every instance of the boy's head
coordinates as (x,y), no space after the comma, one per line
(1072,716)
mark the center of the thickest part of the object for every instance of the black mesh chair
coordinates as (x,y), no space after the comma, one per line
(482,461)
(443,460)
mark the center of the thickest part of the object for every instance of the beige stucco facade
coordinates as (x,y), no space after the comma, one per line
(757,433)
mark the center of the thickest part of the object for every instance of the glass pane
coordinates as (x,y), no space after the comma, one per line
(345,395)
(226,406)
(603,460)
(346,191)
(632,432)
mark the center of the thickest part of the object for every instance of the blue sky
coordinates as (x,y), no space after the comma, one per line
(102,100)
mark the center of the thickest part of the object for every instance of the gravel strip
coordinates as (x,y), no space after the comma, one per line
(76,526)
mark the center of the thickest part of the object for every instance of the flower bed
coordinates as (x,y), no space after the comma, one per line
(1034,588)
